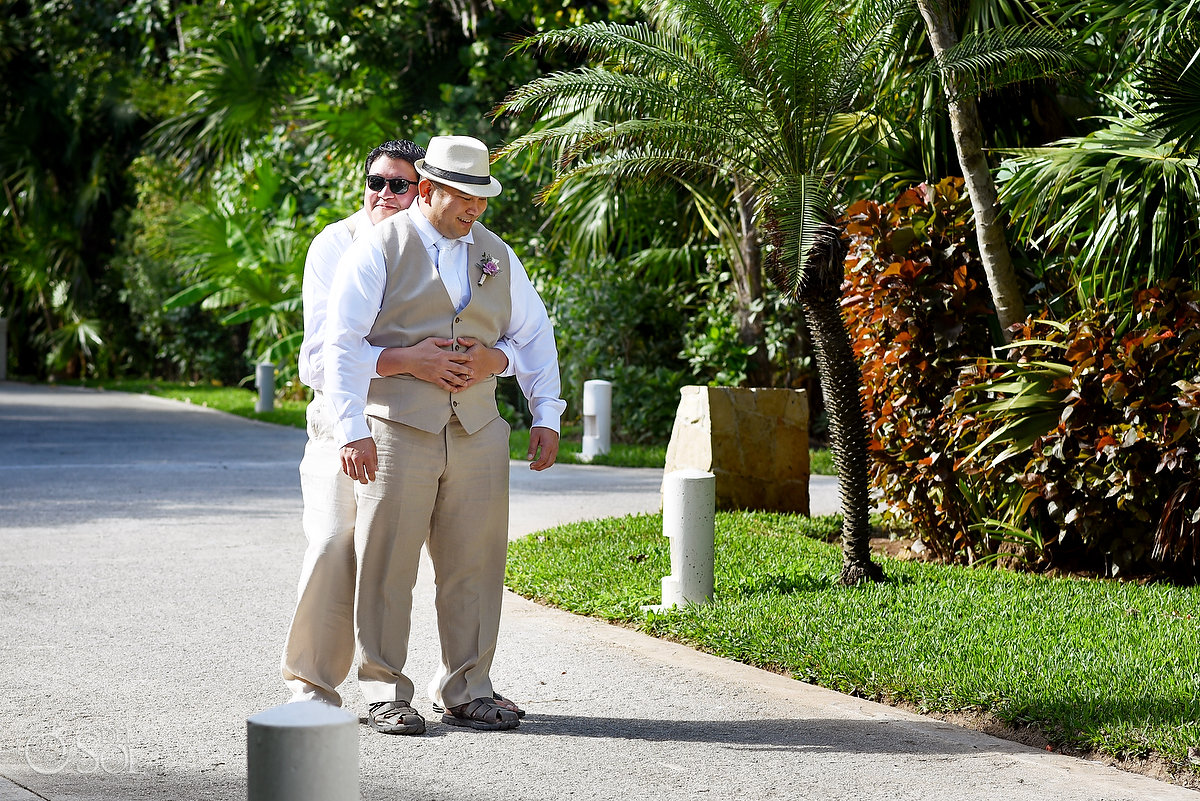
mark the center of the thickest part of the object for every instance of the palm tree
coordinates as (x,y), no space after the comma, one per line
(749,92)
(998,52)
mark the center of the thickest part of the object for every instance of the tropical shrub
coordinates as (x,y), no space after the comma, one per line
(717,354)
(244,250)
(614,326)
(179,344)
(916,304)
(1095,425)
(1114,208)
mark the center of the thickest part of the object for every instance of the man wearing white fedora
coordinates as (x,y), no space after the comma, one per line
(432,464)
(319,648)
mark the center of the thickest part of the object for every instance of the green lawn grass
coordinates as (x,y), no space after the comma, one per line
(571,445)
(1102,665)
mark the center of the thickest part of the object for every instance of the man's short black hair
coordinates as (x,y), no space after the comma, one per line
(396,149)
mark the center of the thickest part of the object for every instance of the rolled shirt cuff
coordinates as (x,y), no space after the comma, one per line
(376,353)
(507,349)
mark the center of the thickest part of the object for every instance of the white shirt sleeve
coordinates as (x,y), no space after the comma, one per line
(320,267)
(355,299)
(535,356)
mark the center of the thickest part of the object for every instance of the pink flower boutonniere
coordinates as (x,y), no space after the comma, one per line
(489,266)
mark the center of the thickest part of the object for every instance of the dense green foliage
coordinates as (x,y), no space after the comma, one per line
(1078,448)
(1067,656)
(165,163)
(69,134)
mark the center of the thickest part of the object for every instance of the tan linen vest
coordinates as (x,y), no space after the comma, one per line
(416,306)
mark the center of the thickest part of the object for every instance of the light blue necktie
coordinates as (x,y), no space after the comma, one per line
(450,279)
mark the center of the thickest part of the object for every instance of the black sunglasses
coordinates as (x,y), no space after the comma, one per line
(398,185)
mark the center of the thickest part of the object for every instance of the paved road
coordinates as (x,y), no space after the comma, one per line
(148,559)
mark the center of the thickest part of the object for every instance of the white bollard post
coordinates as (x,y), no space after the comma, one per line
(264,379)
(306,751)
(597,418)
(689,520)
(3,348)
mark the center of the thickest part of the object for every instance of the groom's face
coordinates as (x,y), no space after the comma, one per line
(451,211)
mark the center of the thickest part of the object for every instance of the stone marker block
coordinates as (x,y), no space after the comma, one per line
(755,441)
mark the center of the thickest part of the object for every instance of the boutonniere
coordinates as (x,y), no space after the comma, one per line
(489,266)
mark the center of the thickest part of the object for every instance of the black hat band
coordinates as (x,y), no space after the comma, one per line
(460,177)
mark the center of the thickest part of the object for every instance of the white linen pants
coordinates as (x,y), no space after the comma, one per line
(320,642)
(449,490)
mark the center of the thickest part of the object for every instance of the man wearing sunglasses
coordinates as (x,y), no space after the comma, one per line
(320,643)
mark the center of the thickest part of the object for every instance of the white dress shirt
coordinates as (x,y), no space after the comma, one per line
(357,296)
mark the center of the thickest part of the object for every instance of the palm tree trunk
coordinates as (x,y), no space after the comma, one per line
(968,140)
(841,383)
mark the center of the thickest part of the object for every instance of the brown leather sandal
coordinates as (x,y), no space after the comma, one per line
(395,717)
(500,699)
(483,714)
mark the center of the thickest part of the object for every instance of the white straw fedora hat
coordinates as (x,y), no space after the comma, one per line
(461,162)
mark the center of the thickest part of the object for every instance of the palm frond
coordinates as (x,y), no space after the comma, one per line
(240,82)
(716,88)
(1141,27)
(624,96)
(647,167)
(718,25)
(988,60)
(797,211)
(1118,203)
(638,48)
(873,33)
(1172,80)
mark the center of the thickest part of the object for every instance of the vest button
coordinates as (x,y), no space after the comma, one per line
(453,403)
(458,319)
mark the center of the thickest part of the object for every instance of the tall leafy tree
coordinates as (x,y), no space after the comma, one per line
(750,92)
(68,133)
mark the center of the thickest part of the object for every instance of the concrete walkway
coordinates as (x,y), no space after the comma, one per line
(148,557)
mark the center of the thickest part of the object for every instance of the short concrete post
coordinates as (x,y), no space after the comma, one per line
(306,751)
(689,520)
(3,348)
(264,379)
(597,418)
